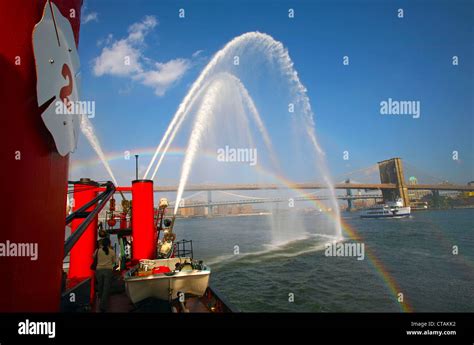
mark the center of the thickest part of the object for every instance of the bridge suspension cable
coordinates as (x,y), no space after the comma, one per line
(372,169)
(192,195)
(256,198)
(417,171)
(352,181)
(240,196)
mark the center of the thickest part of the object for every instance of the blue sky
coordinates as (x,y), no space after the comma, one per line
(390,57)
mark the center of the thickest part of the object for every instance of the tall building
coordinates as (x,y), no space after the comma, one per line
(200,211)
(364,203)
(222,210)
(186,211)
(246,209)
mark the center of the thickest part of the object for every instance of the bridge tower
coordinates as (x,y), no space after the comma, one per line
(391,171)
(349,194)
(436,199)
(209,200)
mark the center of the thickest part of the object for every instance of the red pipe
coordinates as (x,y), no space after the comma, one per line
(143,229)
(34,176)
(123,220)
(81,253)
(117,189)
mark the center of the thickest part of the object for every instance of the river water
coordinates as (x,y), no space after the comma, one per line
(413,256)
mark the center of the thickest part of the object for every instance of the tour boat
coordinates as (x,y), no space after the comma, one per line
(388,210)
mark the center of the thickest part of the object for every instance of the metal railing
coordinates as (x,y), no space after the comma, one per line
(183,249)
(100,202)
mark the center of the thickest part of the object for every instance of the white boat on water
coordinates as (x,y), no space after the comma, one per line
(388,210)
(165,279)
(173,273)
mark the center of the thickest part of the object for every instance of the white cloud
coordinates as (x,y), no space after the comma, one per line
(105,41)
(164,75)
(89,17)
(119,59)
(197,53)
(138,31)
(125,58)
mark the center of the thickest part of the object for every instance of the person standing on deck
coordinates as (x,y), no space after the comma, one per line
(102,235)
(104,271)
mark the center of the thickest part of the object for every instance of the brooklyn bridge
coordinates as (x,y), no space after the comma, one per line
(393,185)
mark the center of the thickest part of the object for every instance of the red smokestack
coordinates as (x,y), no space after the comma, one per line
(81,253)
(143,230)
(35,175)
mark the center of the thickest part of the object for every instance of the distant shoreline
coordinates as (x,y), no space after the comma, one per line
(228,215)
(430,209)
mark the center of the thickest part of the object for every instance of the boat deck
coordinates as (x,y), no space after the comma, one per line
(211,302)
(120,303)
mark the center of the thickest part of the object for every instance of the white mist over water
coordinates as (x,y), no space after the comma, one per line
(207,92)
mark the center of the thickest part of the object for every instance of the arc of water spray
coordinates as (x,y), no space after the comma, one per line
(203,120)
(273,50)
(196,136)
(248,101)
(266,42)
(88,131)
(170,137)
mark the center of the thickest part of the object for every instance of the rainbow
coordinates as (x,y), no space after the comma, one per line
(120,155)
(353,234)
(379,267)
